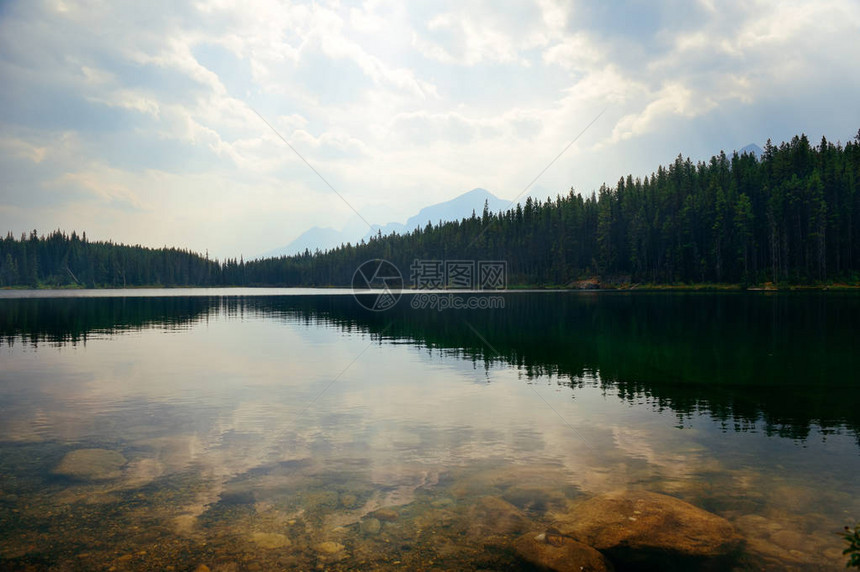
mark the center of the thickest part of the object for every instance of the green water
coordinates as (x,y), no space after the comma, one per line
(262,432)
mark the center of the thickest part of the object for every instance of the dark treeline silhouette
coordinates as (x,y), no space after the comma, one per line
(792,216)
(59,260)
(58,321)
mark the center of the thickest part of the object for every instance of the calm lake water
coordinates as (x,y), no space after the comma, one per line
(253,430)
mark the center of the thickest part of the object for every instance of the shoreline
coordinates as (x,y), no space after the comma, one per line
(581,285)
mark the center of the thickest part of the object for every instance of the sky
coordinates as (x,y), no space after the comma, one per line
(149,122)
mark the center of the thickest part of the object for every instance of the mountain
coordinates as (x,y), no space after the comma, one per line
(457,208)
(752,149)
(326,238)
(636,233)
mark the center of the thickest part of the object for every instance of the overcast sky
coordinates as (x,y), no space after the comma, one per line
(135,121)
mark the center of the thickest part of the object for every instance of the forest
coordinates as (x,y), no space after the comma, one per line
(790,217)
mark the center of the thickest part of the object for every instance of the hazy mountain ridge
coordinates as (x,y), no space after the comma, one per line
(685,224)
(752,149)
(327,238)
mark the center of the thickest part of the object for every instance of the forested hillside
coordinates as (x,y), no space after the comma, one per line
(59,260)
(791,217)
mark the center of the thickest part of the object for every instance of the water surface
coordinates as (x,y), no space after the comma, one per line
(266,430)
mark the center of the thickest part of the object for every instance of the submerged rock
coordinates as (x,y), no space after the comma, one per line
(492,516)
(329,547)
(348,500)
(533,498)
(321,499)
(559,553)
(643,527)
(442,502)
(386,514)
(270,540)
(237,497)
(370,526)
(790,539)
(142,472)
(91,465)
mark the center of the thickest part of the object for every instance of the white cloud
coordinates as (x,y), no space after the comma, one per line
(474,33)
(102,183)
(19,148)
(673,99)
(576,52)
(96,76)
(128,99)
(149,109)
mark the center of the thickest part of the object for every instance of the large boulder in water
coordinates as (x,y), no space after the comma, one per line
(638,527)
(559,553)
(493,517)
(91,465)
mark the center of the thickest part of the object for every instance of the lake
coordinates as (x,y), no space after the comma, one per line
(250,429)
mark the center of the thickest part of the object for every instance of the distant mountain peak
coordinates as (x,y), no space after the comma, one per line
(457,208)
(752,149)
(477,191)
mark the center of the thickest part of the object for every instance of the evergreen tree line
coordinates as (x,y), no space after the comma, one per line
(791,216)
(71,260)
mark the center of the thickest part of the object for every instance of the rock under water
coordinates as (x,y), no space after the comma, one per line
(643,527)
(91,465)
(559,553)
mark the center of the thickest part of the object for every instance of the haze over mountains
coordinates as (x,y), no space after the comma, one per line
(326,238)
(753,149)
(773,223)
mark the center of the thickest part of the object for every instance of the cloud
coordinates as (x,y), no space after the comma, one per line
(672,100)
(149,110)
(473,33)
(128,99)
(103,185)
(20,149)
(576,52)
